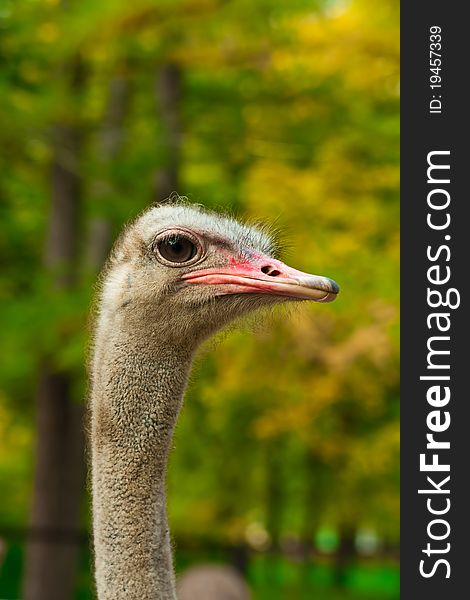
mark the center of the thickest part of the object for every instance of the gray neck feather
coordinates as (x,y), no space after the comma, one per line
(137,391)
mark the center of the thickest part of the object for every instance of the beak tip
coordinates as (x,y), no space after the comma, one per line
(334,286)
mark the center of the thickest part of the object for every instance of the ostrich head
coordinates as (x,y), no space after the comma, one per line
(176,275)
(191,272)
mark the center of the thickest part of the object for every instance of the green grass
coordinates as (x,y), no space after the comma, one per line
(279,579)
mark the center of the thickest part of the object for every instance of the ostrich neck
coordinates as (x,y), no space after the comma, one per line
(137,391)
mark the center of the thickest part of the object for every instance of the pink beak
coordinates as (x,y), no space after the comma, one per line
(264,275)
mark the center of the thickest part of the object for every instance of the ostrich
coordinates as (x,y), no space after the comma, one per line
(176,275)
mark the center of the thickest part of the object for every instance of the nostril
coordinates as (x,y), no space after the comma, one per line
(271,271)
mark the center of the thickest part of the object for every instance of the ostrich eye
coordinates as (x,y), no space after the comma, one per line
(176,248)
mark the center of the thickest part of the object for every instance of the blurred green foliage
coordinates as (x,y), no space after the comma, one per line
(289,114)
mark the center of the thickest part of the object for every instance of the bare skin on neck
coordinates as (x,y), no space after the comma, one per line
(176,276)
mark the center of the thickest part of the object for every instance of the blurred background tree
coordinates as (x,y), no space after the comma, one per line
(286,457)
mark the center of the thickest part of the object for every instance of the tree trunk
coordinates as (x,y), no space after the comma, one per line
(58,490)
(316,474)
(110,141)
(52,551)
(274,492)
(169,92)
(274,502)
(344,556)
